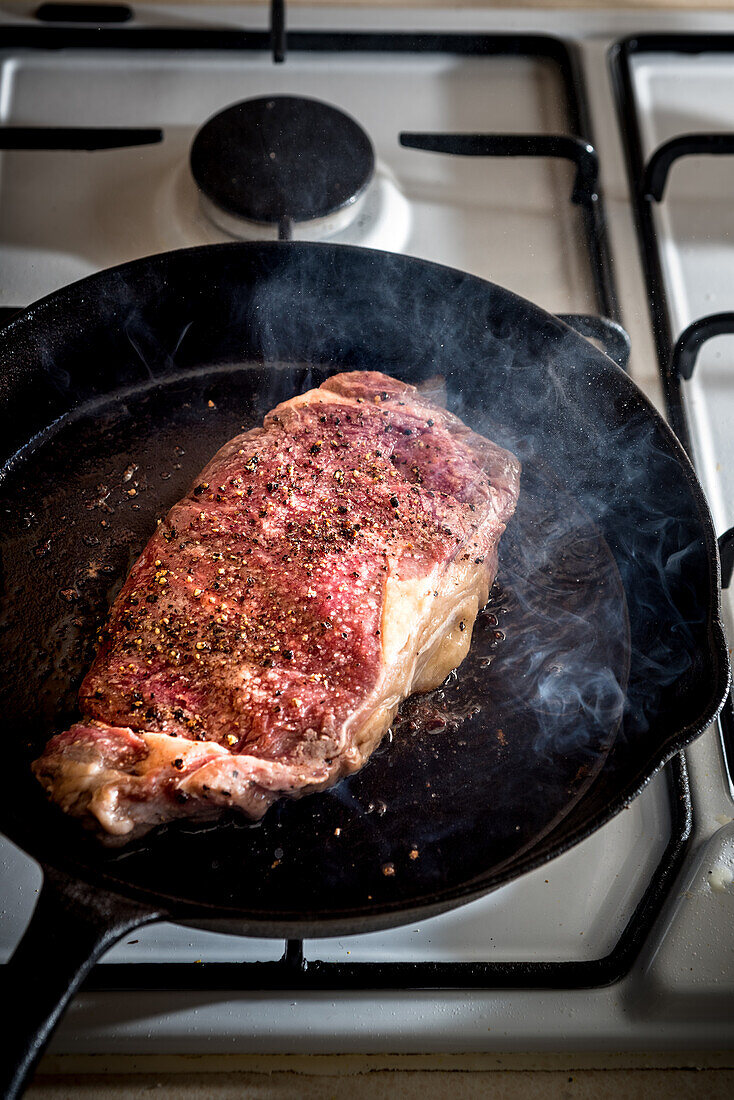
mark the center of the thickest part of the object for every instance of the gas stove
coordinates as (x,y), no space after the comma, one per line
(542,152)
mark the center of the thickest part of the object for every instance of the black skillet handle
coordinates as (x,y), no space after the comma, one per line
(72,926)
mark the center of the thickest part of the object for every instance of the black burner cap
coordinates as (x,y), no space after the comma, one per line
(282,157)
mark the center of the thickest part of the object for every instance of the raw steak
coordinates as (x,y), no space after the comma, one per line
(321,569)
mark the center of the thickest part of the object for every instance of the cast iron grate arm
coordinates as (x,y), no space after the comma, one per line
(579,152)
(83,138)
(277,30)
(686,145)
(691,340)
(613,338)
(726,554)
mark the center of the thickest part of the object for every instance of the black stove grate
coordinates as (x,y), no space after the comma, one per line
(677,355)
(294,971)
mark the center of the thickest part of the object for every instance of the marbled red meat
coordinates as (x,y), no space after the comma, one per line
(320,569)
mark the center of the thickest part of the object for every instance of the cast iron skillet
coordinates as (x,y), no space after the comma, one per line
(600,656)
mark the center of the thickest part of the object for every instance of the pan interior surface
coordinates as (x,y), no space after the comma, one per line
(597,657)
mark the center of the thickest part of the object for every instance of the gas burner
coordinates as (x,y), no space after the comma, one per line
(280,162)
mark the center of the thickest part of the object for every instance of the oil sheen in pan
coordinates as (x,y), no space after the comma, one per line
(474,773)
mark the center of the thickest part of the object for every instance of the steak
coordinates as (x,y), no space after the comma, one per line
(321,568)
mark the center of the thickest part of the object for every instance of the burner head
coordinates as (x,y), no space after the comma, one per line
(281,158)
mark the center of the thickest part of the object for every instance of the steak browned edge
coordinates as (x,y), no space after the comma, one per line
(320,569)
